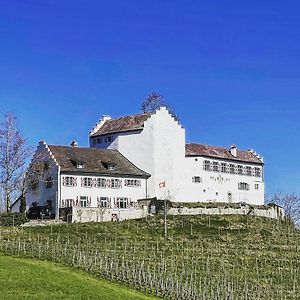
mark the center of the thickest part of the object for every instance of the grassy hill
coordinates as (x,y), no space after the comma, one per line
(35,279)
(204,257)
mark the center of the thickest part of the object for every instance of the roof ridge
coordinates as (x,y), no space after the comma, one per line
(222,147)
(134,115)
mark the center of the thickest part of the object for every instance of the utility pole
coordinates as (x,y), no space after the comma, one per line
(165,215)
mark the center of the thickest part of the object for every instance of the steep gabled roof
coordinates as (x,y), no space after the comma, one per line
(128,123)
(220,152)
(94,161)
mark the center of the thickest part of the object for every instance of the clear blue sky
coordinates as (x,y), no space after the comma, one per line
(230,69)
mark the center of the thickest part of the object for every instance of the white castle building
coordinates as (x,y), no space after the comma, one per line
(155,143)
(143,156)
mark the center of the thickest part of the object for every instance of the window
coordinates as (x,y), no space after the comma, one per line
(240,169)
(69,202)
(223,167)
(116,183)
(83,201)
(46,166)
(215,166)
(87,182)
(248,171)
(49,183)
(111,167)
(206,165)
(256,186)
(80,165)
(232,169)
(34,184)
(101,182)
(132,183)
(122,202)
(99,141)
(243,186)
(108,139)
(196,179)
(69,181)
(257,172)
(103,202)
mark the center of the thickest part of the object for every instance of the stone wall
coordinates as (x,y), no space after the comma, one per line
(274,212)
(95,214)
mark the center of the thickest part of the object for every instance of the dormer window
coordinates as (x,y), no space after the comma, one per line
(80,165)
(109,165)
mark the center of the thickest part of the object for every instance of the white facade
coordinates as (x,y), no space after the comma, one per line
(66,189)
(159,149)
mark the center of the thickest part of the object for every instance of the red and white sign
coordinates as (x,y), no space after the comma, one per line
(162,184)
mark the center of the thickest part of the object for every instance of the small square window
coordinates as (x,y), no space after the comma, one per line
(196,179)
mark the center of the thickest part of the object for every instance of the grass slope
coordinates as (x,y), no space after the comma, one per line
(221,257)
(34,279)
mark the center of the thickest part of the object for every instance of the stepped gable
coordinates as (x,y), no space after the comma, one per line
(127,123)
(94,161)
(221,152)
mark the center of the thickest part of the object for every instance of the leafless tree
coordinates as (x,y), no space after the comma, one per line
(13,155)
(291,204)
(154,101)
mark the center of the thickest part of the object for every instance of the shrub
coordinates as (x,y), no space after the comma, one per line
(12,219)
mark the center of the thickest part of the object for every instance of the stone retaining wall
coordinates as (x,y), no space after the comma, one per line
(274,212)
(95,214)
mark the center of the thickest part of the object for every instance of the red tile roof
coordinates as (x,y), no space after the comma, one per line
(95,161)
(128,123)
(220,152)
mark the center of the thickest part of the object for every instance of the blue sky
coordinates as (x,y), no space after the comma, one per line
(230,69)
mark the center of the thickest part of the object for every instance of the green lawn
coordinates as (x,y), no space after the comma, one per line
(34,279)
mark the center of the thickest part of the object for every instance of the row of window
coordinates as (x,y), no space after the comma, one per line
(100,182)
(246,186)
(241,185)
(104,202)
(231,168)
(107,139)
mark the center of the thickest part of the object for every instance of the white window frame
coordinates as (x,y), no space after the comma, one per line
(101,183)
(123,201)
(83,200)
(87,182)
(69,181)
(115,183)
(243,186)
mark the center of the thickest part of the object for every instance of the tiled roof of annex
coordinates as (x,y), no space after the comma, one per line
(123,124)
(94,161)
(221,152)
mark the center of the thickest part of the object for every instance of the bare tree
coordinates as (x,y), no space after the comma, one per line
(291,204)
(13,155)
(154,101)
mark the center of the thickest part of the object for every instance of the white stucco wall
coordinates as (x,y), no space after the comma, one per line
(75,192)
(41,194)
(159,149)
(216,186)
(59,192)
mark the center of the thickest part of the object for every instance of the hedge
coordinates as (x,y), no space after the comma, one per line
(12,219)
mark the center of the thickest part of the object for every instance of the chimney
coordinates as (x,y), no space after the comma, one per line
(233,150)
(74,144)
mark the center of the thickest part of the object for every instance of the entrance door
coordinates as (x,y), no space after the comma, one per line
(83,201)
(229,197)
